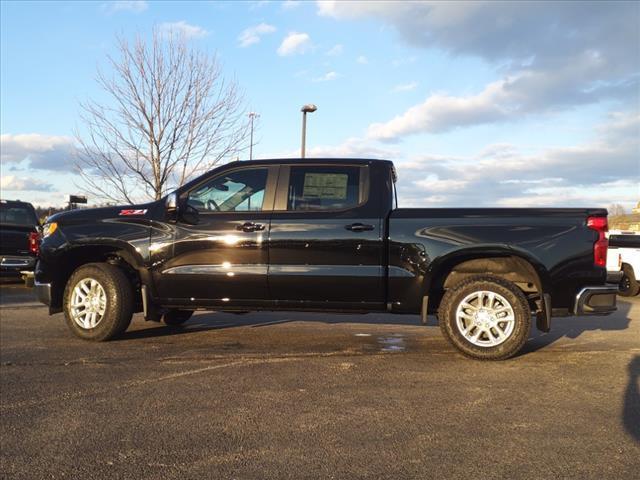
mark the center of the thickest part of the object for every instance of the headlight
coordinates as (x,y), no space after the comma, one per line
(48,229)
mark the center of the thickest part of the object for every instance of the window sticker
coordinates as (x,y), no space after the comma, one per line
(325,185)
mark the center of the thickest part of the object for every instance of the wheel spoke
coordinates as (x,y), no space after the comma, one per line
(476,335)
(492,298)
(468,306)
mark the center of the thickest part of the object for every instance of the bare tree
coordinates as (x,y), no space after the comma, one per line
(168,115)
(615,209)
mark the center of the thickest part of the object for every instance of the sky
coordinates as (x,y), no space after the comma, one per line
(523,104)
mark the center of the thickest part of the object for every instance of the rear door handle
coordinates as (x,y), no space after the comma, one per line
(250,227)
(359,227)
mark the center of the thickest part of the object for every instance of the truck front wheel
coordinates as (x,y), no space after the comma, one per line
(485,317)
(98,302)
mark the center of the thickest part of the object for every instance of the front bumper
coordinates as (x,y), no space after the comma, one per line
(596,300)
(43,292)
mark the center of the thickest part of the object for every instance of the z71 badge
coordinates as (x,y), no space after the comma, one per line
(133,212)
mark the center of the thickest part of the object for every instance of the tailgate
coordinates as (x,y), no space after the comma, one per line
(14,239)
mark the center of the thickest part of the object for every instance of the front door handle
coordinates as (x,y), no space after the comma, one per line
(250,227)
(359,227)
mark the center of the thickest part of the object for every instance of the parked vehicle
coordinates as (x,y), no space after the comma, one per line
(324,235)
(19,238)
(624,250)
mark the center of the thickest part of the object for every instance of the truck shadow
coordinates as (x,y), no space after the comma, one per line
(573,327)
(569,327)
(222,320)
(631,407)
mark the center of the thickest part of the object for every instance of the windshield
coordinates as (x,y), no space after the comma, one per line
(17,215)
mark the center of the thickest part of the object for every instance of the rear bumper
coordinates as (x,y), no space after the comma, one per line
(17,263)
(614,277)
(43,292)
(596,300)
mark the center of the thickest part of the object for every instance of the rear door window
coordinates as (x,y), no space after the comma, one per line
(325,188)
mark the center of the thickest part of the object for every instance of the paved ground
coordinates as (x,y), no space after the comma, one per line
(296,396)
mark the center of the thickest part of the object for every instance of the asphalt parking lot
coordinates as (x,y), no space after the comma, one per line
(290,395)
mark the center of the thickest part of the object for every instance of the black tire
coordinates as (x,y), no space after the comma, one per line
(119,301)
(629,286)
(175,318)
(518,334)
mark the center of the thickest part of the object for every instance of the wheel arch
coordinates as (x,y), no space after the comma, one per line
(123,256)
(510,264)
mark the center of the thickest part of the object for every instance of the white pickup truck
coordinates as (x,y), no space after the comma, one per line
(624,255)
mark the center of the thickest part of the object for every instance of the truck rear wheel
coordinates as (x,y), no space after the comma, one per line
(629,286)
(176,317)
(98,302)
(485,317)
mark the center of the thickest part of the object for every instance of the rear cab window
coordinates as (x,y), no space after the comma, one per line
(17,214)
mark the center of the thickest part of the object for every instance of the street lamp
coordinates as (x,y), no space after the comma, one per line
(308,108)
(252,116)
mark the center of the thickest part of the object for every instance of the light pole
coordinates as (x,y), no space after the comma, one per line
(308,108)
(252,116)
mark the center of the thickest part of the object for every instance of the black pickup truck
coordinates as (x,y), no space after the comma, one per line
(19,237)
(324,235)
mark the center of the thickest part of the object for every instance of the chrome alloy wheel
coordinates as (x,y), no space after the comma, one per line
(485,318)
(88,303)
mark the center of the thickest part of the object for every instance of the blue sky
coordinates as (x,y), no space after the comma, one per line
(479,104)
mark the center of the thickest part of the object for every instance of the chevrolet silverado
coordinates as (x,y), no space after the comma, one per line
(324,235)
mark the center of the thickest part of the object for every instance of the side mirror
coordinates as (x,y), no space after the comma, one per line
(185,212)
(171,204)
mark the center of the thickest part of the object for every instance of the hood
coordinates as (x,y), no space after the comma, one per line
(92,214)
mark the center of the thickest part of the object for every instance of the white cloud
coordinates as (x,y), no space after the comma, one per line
(335,50)
(257,4)
(294,43)
(327,77)
(551,57)
(13,183)
(252,35)
(350,148)
(624,192)
(434,184)
(509,99)
(603,171)
(46,152)
(441,112)
(405,87)
(183,28)
(399,62)
(290,4)
(362,60)
(135,6)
